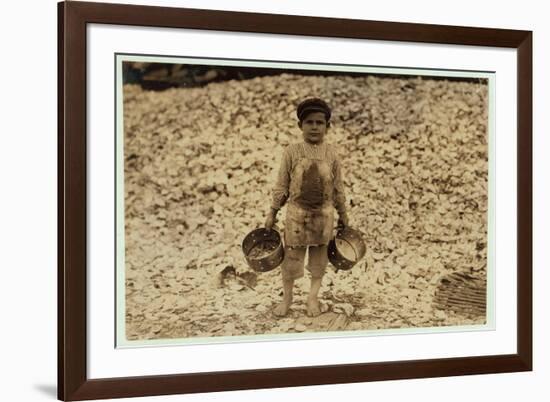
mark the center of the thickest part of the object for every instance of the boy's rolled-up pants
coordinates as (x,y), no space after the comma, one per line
(293,263)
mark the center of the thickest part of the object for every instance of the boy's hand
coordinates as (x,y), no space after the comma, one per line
(343,221)
(271,219)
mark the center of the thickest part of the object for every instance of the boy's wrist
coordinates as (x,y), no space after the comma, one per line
(343,218)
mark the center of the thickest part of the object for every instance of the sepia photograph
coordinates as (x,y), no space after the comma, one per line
(273,200)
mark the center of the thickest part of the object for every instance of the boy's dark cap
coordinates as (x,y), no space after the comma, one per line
(312,105)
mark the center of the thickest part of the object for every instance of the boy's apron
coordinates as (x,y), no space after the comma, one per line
(310,211)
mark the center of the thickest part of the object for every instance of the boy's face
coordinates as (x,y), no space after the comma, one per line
(314,127)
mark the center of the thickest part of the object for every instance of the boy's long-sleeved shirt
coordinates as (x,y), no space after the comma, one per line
(310,181)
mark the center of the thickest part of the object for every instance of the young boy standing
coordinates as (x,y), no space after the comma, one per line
(310,179)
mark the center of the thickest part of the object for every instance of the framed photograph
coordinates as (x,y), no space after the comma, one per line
(252,200)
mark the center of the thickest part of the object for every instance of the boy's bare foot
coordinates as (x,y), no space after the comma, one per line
(313,307)
(282,309)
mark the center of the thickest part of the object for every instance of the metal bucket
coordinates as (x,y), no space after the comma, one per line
(346,249)
(263,249)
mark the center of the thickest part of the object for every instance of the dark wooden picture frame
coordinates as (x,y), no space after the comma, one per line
(73,382)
